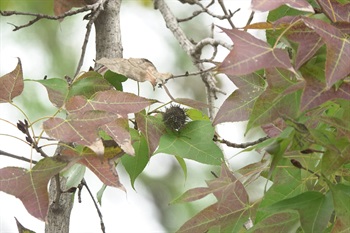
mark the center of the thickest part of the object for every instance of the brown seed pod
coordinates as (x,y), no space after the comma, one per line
(174,117)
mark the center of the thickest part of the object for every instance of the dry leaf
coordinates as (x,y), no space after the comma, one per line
(138,69)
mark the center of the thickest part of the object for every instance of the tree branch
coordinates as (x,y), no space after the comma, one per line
(43,16)
(240,145)
(17,157)
(190,49)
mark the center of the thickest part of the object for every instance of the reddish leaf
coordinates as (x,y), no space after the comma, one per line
(102,167)
(30,186)
(338,49)
(274,103)
(112,101)
(315,93)
(229,211)
(192,195)
(309,41)
(79,128)
(250,54)
(11,84)
(268,5)
(152,128)
(335,11)
(275,128)
(120,135)
(238,106)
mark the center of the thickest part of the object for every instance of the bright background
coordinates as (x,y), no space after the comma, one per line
(53,49)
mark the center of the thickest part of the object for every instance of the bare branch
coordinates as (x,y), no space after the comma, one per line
(83,183)
(210,41)
(240,145)
(43,16)
(189,48)
(94,14)
(251,17)
(17,157)
(223,7)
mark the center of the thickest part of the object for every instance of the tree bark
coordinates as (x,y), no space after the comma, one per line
(108,44)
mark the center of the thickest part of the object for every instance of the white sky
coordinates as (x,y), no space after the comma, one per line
(142,34)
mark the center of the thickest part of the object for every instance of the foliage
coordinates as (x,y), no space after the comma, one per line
(295,86)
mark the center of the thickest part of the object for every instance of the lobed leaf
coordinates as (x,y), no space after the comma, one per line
(338,49)
(193,141)
(228,213)
(11,84)
(250,54)
(30,186)
(111,101)
(335,11)
(238,106)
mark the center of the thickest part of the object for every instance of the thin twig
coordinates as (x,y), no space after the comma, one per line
(17,157)
(94,14)
(251,17)
(240,145)
(44,16)
(83,183)
(223,7)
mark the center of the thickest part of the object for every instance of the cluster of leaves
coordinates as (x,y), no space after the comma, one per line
(103,126)
(295,86)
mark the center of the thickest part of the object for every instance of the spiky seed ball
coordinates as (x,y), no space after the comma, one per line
(174,117)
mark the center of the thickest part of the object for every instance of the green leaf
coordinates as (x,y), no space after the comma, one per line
(287,183)
(341,197)
(284,221)
(134,165)
(193,141)
(100,194)
(315,209)
(57,89)
(182,164)
(74,175)
(88,84)
(115,79)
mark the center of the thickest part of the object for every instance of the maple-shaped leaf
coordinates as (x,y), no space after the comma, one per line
(338,49)
(315,93)
(57,90)
(193,195)
(112,101)
(238,106)
(192,103)
(274,102)
(341,196)
(116,129)
(314,208)
(335,10)
(138,69)
(274,128)
(193,141)
(250,54)
(268,5)
(80,128)
(152,128)
(103,167)
(30,186)
(230,211)
(309,41)
(11,84)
